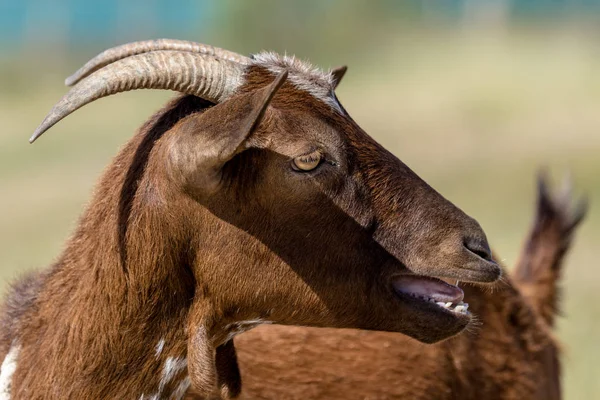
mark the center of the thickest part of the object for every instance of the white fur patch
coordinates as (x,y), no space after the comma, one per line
(181,388)
(159,347)
(173,366)
(303,75)
(9,365)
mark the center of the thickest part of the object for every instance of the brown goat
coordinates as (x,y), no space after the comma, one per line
(511,355)
(254,198)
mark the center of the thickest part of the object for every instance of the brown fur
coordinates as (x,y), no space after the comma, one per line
(511,354)
(200,224)
(538,269)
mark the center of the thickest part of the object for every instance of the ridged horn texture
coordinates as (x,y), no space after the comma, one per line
(130,49)
(206,76)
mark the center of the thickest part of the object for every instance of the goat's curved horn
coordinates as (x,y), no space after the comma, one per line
(130,49)
(202,75)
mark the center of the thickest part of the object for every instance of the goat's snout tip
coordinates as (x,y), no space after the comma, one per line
(488,272)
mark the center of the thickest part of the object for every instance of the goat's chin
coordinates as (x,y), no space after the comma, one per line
(436,325)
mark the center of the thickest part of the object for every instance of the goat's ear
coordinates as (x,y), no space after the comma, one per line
(203,143)
(338,73)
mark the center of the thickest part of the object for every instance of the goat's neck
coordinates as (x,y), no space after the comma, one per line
(110,318)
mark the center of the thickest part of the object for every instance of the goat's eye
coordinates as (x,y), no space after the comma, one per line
(307,162)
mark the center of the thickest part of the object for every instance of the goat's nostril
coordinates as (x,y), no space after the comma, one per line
(479,247)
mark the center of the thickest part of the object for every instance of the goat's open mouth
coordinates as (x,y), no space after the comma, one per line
(432,291)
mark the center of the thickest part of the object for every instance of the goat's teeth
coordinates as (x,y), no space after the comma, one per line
(461,308)
(441,304)
(448,304)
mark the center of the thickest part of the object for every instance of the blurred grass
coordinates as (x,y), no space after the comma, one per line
(475,115)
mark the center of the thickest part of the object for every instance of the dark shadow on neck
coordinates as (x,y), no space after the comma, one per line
(152,130)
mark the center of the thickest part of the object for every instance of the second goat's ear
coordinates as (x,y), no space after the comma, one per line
(338,73)
(203,143)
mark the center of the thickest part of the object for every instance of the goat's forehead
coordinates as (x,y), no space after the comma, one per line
(303,75)
(298,131)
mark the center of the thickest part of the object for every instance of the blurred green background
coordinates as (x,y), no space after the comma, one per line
(474,95)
